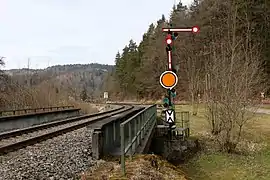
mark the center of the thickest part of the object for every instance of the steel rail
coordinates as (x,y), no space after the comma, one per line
(17,132)
(36,139)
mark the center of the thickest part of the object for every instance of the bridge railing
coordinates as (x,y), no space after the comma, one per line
(32,110)
(134,130)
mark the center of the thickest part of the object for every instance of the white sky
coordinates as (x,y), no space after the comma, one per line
(73,31)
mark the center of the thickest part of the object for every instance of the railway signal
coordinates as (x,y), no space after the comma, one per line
(168,79)
(173,92)
(169,42)
(170,116)
(194,29)
(166,102)
(172,34)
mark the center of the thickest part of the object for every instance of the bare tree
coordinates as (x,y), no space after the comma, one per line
(193,71)
(193,75)
(233,82)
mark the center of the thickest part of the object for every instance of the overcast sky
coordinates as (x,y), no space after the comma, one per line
(51,32)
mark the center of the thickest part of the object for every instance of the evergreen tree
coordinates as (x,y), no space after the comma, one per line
(138,68)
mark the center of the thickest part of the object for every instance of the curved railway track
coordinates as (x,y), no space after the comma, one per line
(17,139)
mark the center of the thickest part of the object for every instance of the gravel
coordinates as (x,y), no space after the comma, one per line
(4,142)
(60,158)
(22,137)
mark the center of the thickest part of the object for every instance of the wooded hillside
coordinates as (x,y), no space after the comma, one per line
(53,85)
(231,47)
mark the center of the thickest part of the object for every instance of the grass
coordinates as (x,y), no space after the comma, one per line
(140,167)
(265,106)
(88,108)
(213,165)
(206,165)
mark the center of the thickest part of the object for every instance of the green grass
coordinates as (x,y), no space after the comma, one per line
(221,166)
(266,106)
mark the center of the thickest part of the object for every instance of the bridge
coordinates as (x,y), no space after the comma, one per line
(126,130)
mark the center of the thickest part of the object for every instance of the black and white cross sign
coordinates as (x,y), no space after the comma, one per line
(169,114)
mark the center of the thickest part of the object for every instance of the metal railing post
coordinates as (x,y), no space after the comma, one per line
(135,128)
(141,124)
(107,136)
(114,132)
(122,134)
(182,119)
(188,126)
(130,139)
(136,132)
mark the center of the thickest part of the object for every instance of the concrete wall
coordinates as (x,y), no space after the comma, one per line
(27,120)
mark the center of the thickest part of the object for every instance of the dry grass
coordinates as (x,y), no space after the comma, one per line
(139,168)
(266,106)
(266,103)
(86,108)
(253,163)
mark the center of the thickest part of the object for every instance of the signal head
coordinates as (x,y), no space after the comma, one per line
(166,102)
(174,36)
(169,41)
(195,29)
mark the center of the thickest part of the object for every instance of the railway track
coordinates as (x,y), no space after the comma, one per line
(17,139)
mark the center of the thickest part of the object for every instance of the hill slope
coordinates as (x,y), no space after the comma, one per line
(71,79)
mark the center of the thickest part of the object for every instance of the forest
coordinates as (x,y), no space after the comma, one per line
(230,53)
(55,85)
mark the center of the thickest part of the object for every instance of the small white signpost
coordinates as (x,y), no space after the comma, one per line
(169,114)
(106,95)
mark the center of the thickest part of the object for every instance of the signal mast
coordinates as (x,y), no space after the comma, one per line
(166,77)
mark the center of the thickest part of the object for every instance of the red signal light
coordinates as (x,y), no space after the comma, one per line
(169,39)
(195,29)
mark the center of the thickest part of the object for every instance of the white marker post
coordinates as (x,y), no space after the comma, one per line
(106,95)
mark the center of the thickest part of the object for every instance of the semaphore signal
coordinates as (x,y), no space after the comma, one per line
(194,29)
(168,41)
(172,34)
(168,79)
(170,60)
